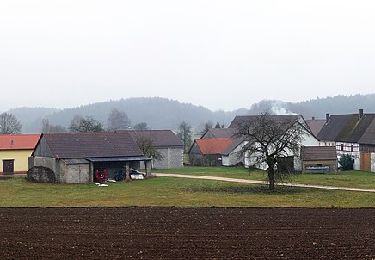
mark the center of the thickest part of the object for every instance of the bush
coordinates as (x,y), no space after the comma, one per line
(346,161)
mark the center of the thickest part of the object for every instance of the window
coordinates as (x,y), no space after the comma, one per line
(352,148)
(342,147)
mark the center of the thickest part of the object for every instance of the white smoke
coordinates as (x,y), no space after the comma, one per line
(279,108)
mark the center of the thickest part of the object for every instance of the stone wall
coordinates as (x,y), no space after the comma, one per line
(172,158)
(74,173)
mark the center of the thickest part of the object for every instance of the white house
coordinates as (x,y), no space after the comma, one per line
(308,139)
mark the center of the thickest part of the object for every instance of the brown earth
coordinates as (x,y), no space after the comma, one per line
(187,233)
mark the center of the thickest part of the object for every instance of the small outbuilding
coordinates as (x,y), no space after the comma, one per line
(78,157)
(168,145)
(319,159)
(209,152)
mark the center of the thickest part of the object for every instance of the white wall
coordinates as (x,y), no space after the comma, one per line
(347,150)
(234,157)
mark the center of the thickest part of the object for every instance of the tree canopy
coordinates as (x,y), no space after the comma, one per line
(269,140)
(49,128)
(85,124)
(141,126)
(147,147)
(9,124)
(118,120)
(185,133)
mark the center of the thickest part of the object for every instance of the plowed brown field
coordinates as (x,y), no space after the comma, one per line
(186,233)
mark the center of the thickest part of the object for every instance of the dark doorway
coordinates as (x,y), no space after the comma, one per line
(8,166)
(285,164)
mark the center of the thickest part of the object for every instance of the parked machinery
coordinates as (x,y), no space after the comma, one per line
(101,175)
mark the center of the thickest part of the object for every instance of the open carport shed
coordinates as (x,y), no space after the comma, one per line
(75,157)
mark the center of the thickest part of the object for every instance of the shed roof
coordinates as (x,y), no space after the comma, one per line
(92,145)
(18,141)
(318,153)
(316,125)
(214,145)
(160,138)
(219,133)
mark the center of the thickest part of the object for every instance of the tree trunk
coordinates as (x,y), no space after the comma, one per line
(271,176)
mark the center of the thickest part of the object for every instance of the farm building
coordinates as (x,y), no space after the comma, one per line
(219,133)
(15,150)
(232,155)
(77,157)
(352,134)
(315,125)
(319,159)
(209,152)
(167,144)
(289,162)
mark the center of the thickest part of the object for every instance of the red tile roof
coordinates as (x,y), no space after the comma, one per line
(214,145)
(18,141)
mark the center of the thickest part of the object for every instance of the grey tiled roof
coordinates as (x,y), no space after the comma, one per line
(160,138)
(346,128)
(315,125)
(84,145)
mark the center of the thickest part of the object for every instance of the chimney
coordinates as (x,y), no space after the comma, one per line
(313,118)
(360,113)
(327,118)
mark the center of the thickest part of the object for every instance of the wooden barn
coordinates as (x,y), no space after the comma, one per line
(209,152)
(319,159)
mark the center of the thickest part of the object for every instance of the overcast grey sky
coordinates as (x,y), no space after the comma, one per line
(219,54)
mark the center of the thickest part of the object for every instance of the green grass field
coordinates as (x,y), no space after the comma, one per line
(351,179)
(168,191)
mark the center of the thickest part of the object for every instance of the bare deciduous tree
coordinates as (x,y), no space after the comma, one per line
(118,120)
(147,147)
(141,126)
(85,124)
(9,124)
(270,140)
(218,125)
(208,125)
(48,128)
(185,134)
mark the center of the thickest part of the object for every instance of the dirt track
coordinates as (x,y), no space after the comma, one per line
(154,233)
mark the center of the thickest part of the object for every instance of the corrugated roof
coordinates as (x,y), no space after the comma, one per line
(318,153)
(18,141)
(160,138)
(214,145)
(85,145)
